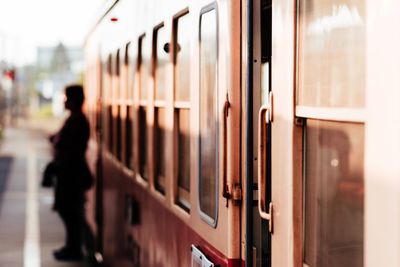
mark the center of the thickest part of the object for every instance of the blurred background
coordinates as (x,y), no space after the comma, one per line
(41,50)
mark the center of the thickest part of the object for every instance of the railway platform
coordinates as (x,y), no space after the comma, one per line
(29,229)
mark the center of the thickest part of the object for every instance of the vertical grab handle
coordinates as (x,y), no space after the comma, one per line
(264,118)
(225,112)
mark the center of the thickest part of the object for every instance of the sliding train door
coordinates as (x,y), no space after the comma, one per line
(334,134)
(262,97)
(274,132)
(330,103)
(311,134)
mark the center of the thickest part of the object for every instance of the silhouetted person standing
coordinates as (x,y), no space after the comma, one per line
(72,173)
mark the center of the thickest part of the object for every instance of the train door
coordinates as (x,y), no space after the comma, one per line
(311,136)
(262,97)
(274,132)
(330,108)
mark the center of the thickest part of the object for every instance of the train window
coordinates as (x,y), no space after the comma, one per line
(110,124)
(143,67)
(110,127)
(182,58)
(118,134)
(208,169)
(117,106)
(129,67)
(128,137)
(182,30)
(159,146)
(331,66)
(144,58)
(91,93)
(104,104)
(99,100)
(334,193)
(182,122)
(161,59)
(142,145)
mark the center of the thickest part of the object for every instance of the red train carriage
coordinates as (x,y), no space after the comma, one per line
(199,164)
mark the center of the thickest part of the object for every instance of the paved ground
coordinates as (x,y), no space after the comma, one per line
(29,230)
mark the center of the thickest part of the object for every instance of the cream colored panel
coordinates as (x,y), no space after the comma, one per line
(282,131)
(382,166)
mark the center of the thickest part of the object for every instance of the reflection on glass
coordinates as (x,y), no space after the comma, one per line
(142,142)
(182,120)
(182,115)
(334,194)
(118,134)
(208,115)
(132,65)
(162,58)
(144,55)
(331,53)
(110,128)
(159,148)
(128,138)
(182,64)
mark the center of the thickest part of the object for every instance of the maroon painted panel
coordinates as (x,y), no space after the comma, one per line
(140,230)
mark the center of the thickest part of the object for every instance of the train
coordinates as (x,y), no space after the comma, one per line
(245,133)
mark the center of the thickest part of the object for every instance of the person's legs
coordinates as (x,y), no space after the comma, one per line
(73,228)
(64,220)
(88,238)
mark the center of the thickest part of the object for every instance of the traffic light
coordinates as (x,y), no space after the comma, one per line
(9,74)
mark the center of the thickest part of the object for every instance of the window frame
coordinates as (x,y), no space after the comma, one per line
(128,106)
(117,107)
(142,104)
(160,182)
(109,102)
(205,217)
(181,196)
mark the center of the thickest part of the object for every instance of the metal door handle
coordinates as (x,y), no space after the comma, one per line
(225,190)
(264,118)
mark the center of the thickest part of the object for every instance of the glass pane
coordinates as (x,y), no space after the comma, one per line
(118,65)
(128,136)
(144,67)
(142,143)
(118,134)
(332,53)
(182,64)
(208,115)
(334,194)
(131,57)
(110,128)
(159,148)
(182,120)
(162,59)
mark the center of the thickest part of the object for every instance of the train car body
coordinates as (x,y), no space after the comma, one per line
(245,133)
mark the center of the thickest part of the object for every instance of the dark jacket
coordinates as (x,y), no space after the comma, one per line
(70,145)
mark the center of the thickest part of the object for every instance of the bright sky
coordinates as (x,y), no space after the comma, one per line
(30,23)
